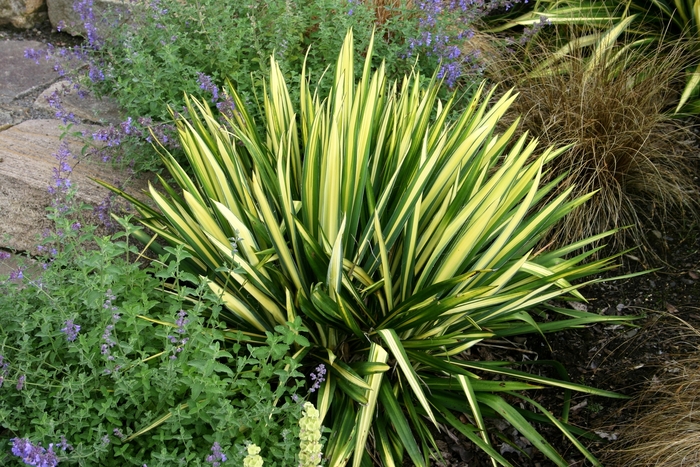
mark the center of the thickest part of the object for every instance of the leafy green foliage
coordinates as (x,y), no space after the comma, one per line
(124,374)
(401,241)
(151,61)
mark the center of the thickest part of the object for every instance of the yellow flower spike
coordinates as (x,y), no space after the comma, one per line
(253,458)
(310,436)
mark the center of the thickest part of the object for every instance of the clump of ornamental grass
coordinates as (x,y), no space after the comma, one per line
(665,430)
(611,106)
(398,238)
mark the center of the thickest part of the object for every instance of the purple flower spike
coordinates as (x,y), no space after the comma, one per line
(318,376)
(32,454)
(217,456)
(32,54)
(17,274)
(71,330)
(206,83)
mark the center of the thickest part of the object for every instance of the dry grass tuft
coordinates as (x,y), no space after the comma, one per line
(639,159)
(666,429)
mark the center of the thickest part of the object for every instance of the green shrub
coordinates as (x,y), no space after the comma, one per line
(148,63)
(172,47)
(101,368)
(400,241)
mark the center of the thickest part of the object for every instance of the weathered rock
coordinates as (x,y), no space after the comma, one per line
(5,119)
(106,14)
(22,14)
(88,108)
(26,170)
(20,76)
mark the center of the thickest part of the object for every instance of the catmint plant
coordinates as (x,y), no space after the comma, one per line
(4,368)
(318,376)
(217,457)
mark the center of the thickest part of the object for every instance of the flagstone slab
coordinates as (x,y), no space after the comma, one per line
(87,108)
(26,171)
(20,76)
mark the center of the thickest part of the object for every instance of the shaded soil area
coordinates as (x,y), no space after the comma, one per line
(42,33)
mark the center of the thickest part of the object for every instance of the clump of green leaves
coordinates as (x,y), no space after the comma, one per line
(147,62)
(97,360)
(399,239)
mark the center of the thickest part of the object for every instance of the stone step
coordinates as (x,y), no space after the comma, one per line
(27,165)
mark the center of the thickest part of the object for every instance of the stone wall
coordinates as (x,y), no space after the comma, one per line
(22,14)
(26,14)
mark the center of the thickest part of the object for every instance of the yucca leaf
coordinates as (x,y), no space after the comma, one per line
(469,433)
(369,368)
(498,368)
(285,256)
(564,429)
(394,344)
(342,439)
(367,412)
(523,427)
(239,308)
(400,423)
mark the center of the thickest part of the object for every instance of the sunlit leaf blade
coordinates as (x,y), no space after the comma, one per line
(367,412)
(394,344)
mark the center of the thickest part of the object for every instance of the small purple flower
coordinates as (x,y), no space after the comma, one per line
(34,454)
(105,440)
(179,340)
(64,444)
(20,382)
(217,456)
(127,127)
(4,255)
(107,335)
(109,135)
(75,226)
(3,369)
(318,376)
(95,74)
(108,302)
(71,330)
(206,83)
(17,274)
(118,433)
(32,54)
(227,106)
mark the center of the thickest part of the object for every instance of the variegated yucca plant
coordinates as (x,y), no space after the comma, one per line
(399,238)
